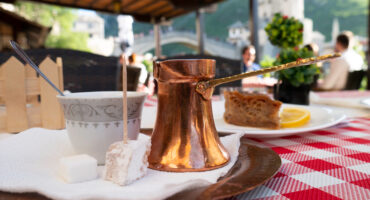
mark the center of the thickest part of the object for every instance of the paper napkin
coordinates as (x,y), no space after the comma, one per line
(29,161)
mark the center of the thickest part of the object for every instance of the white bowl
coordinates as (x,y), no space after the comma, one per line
(94,119)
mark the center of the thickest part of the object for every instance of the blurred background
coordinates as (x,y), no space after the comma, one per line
(218,29)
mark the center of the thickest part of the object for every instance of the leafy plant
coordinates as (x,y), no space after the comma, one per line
(287,33)
(267,61)
(48,15)
(148,64)
(284,32)
(68,40)
(298,75)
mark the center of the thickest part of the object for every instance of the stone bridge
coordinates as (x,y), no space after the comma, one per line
(211,46)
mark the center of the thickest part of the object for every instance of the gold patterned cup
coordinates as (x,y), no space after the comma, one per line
(94,119)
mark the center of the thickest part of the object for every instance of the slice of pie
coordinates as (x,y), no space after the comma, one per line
(256,110)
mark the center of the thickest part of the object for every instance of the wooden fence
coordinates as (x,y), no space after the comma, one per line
(27,100)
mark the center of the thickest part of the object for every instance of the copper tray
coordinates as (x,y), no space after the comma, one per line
(255,165)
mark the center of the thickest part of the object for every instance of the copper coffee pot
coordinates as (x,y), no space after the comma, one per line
(185,138)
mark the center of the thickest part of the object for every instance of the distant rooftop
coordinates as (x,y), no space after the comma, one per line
(237,24)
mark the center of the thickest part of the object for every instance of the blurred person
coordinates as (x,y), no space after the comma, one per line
(337,77)
(353,59)
(122,58)
(314,48)
(249,55)
(350,35)
(133,61)
(148,62)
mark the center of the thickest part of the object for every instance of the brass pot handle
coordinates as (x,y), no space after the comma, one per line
(205,88)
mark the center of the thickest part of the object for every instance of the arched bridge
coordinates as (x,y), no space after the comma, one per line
(211,46)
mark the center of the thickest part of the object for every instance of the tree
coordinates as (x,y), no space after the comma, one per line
(350,13)
(49,15)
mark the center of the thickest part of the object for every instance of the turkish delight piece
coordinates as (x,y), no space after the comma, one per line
(128,162)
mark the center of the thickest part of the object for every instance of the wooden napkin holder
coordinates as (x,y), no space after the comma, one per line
(28,101)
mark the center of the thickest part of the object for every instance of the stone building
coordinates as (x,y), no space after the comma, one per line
(91,24)
(238,34)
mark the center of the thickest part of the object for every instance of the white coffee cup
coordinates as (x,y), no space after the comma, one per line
(94,119)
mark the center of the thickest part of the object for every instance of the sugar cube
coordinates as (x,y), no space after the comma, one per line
(128,162)
(78,168)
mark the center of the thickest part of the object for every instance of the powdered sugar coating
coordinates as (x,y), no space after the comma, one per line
(126,163)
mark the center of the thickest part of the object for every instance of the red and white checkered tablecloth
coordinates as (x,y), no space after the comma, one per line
(332,163)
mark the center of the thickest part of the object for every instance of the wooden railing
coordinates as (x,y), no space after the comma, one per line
(27,100)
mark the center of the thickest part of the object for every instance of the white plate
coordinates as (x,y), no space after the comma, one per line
(366,102)
(321,117)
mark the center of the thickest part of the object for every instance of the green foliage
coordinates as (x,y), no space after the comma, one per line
(228,12)
(68,40)
(363,84)
(48,15)
(175,49)
(216,23)
(140,27)
(284,32)
(358,49)
(297,75)
(267,61)
(352,15)
(148,65)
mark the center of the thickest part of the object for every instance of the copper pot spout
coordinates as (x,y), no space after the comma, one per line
(184,137)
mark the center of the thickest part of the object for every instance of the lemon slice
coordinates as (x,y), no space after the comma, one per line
(294,117)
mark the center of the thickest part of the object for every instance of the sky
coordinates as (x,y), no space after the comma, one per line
(85,12)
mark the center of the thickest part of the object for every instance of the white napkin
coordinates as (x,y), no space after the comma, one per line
(351,99)
(5,135)
(28,163)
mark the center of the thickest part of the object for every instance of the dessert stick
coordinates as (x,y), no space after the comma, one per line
(122,165)
(124,88)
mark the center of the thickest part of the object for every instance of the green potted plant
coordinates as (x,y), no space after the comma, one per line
(294,84)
